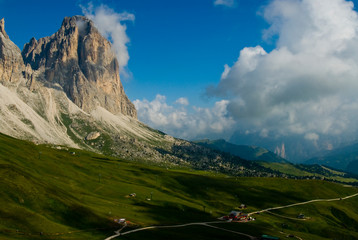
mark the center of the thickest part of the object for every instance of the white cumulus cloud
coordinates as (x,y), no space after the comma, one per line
(184,121)
(307,85)
(110,25)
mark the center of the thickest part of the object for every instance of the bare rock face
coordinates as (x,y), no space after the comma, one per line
(2,28)
(11,63)
(93,136)
(81,61)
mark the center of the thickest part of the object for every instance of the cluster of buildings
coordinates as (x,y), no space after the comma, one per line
(237,216)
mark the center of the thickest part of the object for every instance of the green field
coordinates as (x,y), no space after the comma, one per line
(47,193)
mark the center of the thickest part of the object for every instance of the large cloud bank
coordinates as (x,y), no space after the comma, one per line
(308,84)
(184,121)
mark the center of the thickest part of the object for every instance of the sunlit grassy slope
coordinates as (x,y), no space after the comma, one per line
(49,193)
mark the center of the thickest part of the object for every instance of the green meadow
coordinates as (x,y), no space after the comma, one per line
(52,193)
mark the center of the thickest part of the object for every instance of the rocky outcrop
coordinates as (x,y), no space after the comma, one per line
(2,28)
(281,151)
(11,63)
(93,136)
(81,61)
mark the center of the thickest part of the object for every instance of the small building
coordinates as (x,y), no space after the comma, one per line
(243,216)
(242,206)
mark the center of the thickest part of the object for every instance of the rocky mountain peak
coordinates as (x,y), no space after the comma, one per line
(2,28)
(11,63)
(82,62)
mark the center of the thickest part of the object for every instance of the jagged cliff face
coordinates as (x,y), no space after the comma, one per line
(11,63)
(75,65)
(81,61)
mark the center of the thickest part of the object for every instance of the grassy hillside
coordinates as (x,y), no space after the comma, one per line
(50,193)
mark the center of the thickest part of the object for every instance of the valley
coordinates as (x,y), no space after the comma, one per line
(61,193)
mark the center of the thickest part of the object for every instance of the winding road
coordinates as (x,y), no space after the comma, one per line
(303,203)
(206,224)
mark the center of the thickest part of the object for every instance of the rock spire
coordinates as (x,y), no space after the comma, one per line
(11,63)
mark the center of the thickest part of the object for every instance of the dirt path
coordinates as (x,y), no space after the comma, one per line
(303,203)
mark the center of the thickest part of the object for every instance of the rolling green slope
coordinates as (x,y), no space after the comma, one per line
(58,193)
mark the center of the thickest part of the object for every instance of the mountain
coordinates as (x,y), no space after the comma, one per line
(58,81)
(65,90)
(272,161)
(296,148)
(11,63)
(80,60)
(243,151)
(344,158)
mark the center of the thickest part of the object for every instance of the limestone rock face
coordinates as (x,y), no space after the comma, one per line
(81,61)
(11,63)
(93,136)
(2,28)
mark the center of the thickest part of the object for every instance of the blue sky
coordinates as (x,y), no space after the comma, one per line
(261,72)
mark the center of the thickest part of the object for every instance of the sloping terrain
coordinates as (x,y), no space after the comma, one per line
(277,164)
(60,193)
(243,151)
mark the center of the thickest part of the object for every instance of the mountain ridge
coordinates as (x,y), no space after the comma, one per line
(344,158)
(244,151)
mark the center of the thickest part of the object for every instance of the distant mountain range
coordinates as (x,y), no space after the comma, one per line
(243,151)
(276,163)
(345,158)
